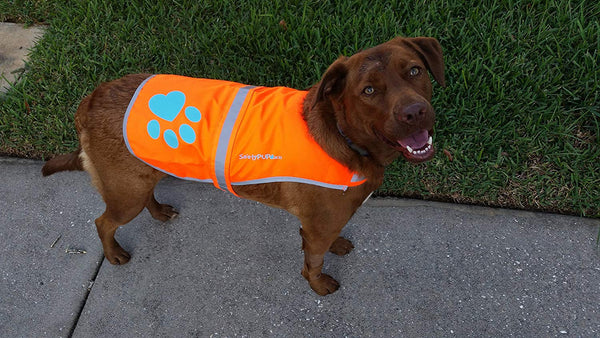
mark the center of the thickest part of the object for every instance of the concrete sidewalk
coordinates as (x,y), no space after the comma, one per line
(419,268)
(15,44)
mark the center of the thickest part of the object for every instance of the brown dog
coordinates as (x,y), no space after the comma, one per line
(366,110)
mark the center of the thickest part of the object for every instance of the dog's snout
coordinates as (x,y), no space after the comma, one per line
(412,113)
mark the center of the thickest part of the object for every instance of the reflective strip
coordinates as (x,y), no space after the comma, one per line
(135,95)
(226,130)
(292,179)
(357,178)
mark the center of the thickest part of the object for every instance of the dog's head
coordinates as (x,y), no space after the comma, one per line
(381,97)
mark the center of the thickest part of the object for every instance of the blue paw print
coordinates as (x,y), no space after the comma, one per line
(167,107)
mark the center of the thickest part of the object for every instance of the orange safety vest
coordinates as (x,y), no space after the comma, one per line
(227,133)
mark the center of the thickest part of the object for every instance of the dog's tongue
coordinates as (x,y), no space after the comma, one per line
(416,140)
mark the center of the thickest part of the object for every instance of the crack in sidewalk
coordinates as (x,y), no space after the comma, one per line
(91,284)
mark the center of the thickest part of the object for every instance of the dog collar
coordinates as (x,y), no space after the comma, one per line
(361,151)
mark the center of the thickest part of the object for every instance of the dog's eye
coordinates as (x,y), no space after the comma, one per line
(414,71)
(369,90)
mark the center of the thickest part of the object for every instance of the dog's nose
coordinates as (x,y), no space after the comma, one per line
(412,113)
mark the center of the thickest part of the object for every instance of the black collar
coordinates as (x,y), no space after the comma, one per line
(361,151)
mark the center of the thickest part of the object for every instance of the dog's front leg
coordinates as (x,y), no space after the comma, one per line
(315,244)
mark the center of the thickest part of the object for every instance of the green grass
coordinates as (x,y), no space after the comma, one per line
(27,11)
(520,116)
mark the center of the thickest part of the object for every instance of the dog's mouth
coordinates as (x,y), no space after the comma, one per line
(417,147)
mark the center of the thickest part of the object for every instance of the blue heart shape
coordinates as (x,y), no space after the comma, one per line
(168,106)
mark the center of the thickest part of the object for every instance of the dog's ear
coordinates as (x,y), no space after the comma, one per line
(430,52)
(333,81)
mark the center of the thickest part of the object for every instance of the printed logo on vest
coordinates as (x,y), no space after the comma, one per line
(255,157)
(168,107)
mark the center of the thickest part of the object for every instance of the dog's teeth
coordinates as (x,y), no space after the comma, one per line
(430,141)
(421,151)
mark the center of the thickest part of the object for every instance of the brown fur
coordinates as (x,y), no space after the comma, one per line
(399,107)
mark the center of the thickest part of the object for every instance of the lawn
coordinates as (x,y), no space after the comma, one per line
(518,124)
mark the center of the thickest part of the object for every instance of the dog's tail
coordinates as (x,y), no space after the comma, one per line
(63,162)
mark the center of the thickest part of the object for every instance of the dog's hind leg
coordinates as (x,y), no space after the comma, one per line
(124,201)
(126,191)
(107,225)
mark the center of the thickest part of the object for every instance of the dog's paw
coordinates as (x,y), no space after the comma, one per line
(164,212)
(117,255)
(324,285)
(341,246)
(167,108)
